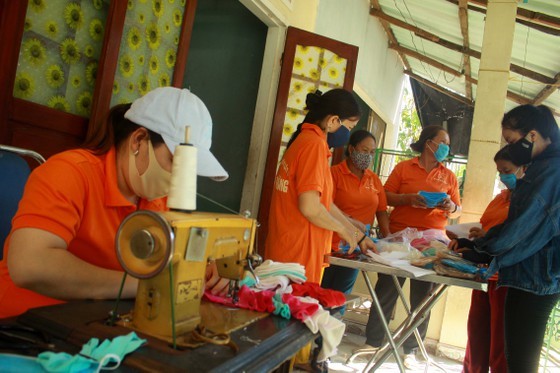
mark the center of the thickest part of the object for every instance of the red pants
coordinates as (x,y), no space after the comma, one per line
(485,330)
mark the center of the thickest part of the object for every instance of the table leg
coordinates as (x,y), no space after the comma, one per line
(402,297)
(410,324)
(379,310)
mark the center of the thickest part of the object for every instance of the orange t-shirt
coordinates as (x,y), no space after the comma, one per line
(291,237)
(497,210)
(360,199)
(410,177)
(75,196)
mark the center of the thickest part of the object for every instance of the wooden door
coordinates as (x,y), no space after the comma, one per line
(310,62)
(63,64)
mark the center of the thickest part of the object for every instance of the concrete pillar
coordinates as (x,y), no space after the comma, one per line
(489,108)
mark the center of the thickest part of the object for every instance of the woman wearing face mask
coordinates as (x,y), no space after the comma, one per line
(423,173)
(302,213)
(526,247)
(61,246)
(359,194)
(485,326)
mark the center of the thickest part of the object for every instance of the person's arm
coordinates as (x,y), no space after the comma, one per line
(362,239)
(517,239)
(309,204)
(39,261)
(383,221)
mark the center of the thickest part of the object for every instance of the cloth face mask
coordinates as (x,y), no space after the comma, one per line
(154,182)
(361,160)
(441,152)
(521,151)
(338,138)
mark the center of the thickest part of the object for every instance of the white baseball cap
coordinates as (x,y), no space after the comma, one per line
(166,111)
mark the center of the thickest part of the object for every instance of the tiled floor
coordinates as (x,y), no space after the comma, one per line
(354,339)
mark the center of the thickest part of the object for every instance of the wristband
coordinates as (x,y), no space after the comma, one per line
(361,239)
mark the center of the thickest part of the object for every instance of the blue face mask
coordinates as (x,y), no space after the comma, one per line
(509,180)
(338,138)
(441,152)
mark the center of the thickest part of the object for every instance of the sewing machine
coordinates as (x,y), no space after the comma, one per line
(168,252)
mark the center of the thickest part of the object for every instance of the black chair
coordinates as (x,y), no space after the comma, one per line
(14,171)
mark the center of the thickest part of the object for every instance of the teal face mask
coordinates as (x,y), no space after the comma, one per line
(442,152)
(509,180)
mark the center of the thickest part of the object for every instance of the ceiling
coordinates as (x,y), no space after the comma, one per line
(439,43)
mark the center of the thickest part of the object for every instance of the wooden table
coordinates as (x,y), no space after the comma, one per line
(264,345)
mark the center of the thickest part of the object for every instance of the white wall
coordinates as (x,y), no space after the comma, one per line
(379,73)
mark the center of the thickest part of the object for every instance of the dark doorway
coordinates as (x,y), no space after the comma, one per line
(223,69)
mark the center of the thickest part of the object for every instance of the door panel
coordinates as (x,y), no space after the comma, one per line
(310,62)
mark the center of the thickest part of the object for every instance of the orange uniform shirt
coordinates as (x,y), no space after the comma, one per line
(360,199)
(497,210)
(291,237)
(410,177)
(75,196)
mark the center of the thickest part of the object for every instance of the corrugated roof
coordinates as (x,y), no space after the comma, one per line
(427,34)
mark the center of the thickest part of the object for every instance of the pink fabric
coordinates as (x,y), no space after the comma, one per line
(248,299)
(328,298)
(300,310)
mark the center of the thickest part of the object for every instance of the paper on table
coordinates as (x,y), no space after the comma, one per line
(462,230)
(400,264)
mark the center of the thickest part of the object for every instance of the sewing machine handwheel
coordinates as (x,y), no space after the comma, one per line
(144,244)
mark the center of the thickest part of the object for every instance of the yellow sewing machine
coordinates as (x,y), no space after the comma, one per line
(168,252)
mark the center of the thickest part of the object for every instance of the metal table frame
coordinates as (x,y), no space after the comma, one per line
(414,318)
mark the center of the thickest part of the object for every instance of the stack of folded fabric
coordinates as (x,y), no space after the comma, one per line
(282,290)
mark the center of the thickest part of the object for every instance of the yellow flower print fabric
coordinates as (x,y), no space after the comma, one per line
(148,52)
(314,68)
(59,53)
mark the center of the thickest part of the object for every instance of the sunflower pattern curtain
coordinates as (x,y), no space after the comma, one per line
(59,53)
(62,43)
(148,48)
(314,69)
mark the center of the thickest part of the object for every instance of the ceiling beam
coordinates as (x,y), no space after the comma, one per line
(374,4)
(423,58)
(464,21)
(540,27)
(456,47)
(528,15)
(438,88)
(547,91)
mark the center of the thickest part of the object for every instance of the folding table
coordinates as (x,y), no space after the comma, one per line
(414,318)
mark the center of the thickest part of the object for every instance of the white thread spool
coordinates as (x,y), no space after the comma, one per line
(182,190)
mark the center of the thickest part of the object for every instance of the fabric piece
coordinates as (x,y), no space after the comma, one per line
(327,297)
(299,309)
(360,199)
(331,329)
(93,356)
(291,237)
(75,196)
(410,177)
(248,299)
(167,110)
(281,309)
(293,271)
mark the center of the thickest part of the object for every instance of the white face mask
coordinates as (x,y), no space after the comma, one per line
(154,182)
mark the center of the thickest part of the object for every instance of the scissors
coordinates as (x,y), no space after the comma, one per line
(19,337)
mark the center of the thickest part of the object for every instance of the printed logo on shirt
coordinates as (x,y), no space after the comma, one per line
(439,178)
(370,186)
(281,184)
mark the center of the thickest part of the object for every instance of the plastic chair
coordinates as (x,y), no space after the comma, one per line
(14,172)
